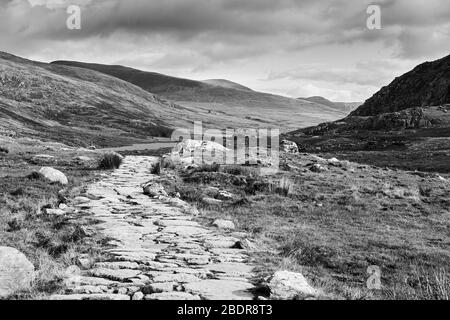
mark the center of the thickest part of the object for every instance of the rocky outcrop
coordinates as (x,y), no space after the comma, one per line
(427,85)
(289,146)
(16,272)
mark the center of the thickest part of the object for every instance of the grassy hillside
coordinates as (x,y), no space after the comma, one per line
(226,84)
(346,107)
(223,105)
(76,106)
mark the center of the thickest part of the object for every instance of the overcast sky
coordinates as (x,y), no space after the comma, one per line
(290,47)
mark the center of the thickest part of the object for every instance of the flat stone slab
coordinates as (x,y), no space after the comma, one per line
(116,265)
(176,277)
(104,296)
(171,296)
(178,222)
(221,289)
(230,269)
(118,275)
(185,230)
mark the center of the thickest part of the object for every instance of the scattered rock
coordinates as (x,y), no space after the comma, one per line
(221,242)
(225,195)
(53,175)
(104,296)
(176,277)
(171,296)
(16,272)
(224,224)
(138,296)
(287,285)
(43,159)
(83,160)
(159,287)
(80,200)
(247,245)
(117,275)
(154,189)
(334,162)
(84,262)
(55,212)
(289,146)
(317,168)
(212,201)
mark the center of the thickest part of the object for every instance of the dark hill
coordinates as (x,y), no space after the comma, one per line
(426,85)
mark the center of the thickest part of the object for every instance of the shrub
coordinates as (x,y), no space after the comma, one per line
(4,150)
(110,161)
(240,170)
(284,187)
(156,169)
(208,168)
(167,163)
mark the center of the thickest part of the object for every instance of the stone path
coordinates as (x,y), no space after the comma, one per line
(156,249)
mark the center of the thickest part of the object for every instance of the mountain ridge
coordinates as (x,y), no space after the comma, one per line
(245,108)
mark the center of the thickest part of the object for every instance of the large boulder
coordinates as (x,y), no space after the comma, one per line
(53,175)
(287,285)
(289,146)
(224,224)
(16,272)
(154,189)
(198,152)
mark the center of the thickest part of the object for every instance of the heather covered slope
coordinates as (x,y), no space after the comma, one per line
(222,100)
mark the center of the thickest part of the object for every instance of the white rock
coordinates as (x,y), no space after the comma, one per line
(53,175)
(55,212)
(224,224)
(16,272)
(211,201)
(287,285)
(138,296)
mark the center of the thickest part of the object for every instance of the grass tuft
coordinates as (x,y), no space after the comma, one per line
(110,160)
